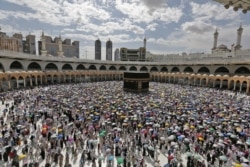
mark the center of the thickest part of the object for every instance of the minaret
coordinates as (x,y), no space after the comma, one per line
(216,34)
(60,51)
(239,35)
(43,40)
(145,42)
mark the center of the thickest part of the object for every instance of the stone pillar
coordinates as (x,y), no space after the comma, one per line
(206,84)
(24,83)
(9,85)
(17,83)
(228,84)
(247,89)
(31,83)
(234,85)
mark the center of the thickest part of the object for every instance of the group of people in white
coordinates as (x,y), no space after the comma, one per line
(97,124)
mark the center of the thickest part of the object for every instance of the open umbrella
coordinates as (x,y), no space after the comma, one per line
(223,158)
(120,160)
(189,154)
(111,158)
(21,156)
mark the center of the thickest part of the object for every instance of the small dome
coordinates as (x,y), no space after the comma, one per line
(222,46)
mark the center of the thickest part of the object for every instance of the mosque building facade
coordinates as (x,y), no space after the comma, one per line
(57,47)
(139,54)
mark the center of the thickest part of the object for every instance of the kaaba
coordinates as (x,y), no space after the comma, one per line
(136,81)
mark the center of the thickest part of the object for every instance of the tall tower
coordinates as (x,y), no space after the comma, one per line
(109,50)
(216,34)
(43,40)
(239,35)
(60,50)
(117,54)
(145,42)
(98,49)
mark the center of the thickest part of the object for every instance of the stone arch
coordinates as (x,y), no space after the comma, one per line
(103,68)
(67,67)
(55,79)
(5,83)
(175,69)
(16,65)
(231,85)
(242,71)
(153,69)
(143,68)
(80,67)
(203,70)
(164,69)
(217,83)
(49,79)
(2,67)
(132,68)
(122,68)
(51,66)
(112,68)
(244,86)
(221,70)
(188,69)
(27,81)
(92,67)
(33,80)
(20,81)
(237,85)
(224,84)
(13,82)
(34,66)
(203,81)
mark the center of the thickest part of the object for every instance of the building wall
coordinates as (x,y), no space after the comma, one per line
(52,46)
(133,54)
(13,43)
(29,45)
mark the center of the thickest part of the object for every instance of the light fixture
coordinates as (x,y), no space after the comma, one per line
(236,8)
(244,11)
(226,6)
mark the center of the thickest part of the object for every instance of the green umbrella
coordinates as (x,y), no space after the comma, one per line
(189,154)
(101,158)
(103,131)
(102,134)
(120,160)
(223,158)
(198,157)
(211,129)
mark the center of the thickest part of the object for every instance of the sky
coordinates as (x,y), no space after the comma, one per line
(170,26)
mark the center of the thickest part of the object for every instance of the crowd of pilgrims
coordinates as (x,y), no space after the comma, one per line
(97,124)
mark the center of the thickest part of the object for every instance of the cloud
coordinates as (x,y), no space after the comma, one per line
(152,27)
(142,14)
(197,27)
(208,11)
(154,4)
